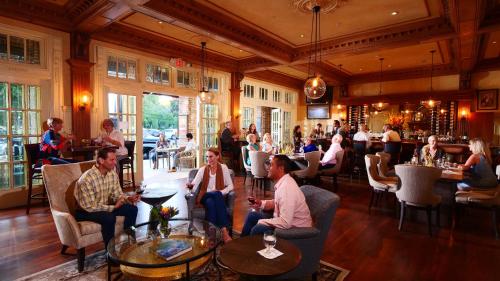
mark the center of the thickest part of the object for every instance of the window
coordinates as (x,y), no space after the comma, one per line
(263,94)
(210,127)
(122,110)
(248,91)
(121,68)
(247,117)
(157,74)
(276,96)
(185,79)
(289,98)
(213,84)
(19,124)
(19,49)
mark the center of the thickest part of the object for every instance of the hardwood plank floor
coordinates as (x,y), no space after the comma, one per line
(370,246)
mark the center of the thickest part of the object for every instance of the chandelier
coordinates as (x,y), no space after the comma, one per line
(379,106)
(315,87)
(205,95)
(430,104)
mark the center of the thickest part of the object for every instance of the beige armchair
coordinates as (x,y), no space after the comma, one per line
(333,172)
(383,165)
(60,183)
(417,185)
(482,199)
(311,171)
(380,185)
(187,159)
(258,169)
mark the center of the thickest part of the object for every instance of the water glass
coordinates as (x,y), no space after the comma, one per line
(269,240)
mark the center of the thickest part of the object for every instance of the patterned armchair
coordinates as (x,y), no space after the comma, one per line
(187,159)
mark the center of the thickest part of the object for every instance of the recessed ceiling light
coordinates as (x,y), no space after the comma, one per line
(160,22)
(494,42)
(360,69)
(389,65)
(394,13)
(241,50)
(301,35)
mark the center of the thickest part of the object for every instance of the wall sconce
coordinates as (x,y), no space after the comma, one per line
(85,100)
(339,106)
(463,113)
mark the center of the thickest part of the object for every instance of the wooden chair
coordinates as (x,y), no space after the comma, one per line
(128,163)
(34,173)
(333,172)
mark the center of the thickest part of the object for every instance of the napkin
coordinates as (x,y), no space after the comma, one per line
(272,254)
(450,172)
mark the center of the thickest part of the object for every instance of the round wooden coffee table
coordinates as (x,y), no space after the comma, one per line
(241,256)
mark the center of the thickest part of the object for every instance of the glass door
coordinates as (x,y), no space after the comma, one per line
(287,130)
(276,125)
(209,126)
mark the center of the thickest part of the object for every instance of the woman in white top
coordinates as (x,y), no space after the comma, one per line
(268,145)
(214,182)
(112,137)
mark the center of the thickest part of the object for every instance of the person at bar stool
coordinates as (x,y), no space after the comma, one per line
(162,142)
(431,150)
(318,132)
(100,198)
(227,141)
(252,146)
(52,143)
(289,205)
(190,145)
(309,146)
(363,135)
(214,181)
(268,146)
(479,164)
(252,129)
(112,137)
(389,134)
(297,137)
(329,160)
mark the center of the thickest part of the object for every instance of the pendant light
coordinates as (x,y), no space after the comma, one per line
(429,104)
(380,106)
(204,95)
(315,87)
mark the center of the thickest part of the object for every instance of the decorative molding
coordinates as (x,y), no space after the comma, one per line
(329,73)
(384,38)
(254,64)
(404,74)
(128,37)
(36,12)
(277,78)
(201,19)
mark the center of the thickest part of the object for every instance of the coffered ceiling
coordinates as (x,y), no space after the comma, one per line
(270,38)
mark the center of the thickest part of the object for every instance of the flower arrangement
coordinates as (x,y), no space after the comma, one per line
(163,214)
(399,121)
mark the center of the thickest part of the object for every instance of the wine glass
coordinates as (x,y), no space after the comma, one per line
(269,240)
(189,185)
(141,188)
(251,199)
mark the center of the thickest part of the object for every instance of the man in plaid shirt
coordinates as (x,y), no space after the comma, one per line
(100,198)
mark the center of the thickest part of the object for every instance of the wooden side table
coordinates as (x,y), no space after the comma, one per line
(241,256)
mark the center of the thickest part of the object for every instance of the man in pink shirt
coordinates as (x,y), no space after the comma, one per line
(289,204)
(329,159)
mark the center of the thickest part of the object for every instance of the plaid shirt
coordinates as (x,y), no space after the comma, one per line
(94,190)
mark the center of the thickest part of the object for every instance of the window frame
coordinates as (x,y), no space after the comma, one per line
(25,61)
(127,61)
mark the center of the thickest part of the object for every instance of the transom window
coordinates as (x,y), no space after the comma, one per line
(185,79)
(289,98)
(157,74)
(19,49)
(248,91)
(121,68)
(213,84)
(247,116)
(276,96)
(19,124)
(263,93)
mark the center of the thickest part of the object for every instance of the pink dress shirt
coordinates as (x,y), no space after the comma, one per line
(330,155)
(290,207)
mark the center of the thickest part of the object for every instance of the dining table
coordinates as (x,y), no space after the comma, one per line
(168,151)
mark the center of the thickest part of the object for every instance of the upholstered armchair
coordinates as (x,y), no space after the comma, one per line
(60,183)
(311,171)
(380,185)
(311,240)
(333,172)
(187,159)
(199,212)
(258,168)
(417,190)
(383,165)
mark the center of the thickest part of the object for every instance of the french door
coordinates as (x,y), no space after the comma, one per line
(276,125)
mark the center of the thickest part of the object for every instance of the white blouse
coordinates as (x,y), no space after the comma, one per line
(228,183)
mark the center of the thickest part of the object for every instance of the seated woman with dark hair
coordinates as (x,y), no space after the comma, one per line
(53,142)
(162,142)
(214,181)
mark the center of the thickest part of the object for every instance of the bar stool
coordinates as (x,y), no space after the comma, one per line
(394,149)
(34,173)
(128,163)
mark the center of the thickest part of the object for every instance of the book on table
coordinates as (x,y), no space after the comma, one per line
(172,248)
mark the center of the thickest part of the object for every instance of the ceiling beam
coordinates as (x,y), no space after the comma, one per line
(488,65)
(89,17)
(330,74)
(36,12)
(129,37)
(404,74)
(201,19)
(277,78)
(449,95)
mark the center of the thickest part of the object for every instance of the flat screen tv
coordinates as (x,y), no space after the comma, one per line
(319,111)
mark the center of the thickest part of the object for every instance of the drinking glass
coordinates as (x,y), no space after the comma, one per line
(269,240)
(189,186)
(140,189)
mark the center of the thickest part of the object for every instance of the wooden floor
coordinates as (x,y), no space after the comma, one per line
(370,246)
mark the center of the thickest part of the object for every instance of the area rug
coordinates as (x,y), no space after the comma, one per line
(96,269)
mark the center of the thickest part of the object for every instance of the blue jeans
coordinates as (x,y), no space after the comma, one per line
(251,227)
(215,208)
(107,220)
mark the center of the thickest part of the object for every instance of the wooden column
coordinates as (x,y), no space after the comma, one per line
(235,90)
(80,85)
